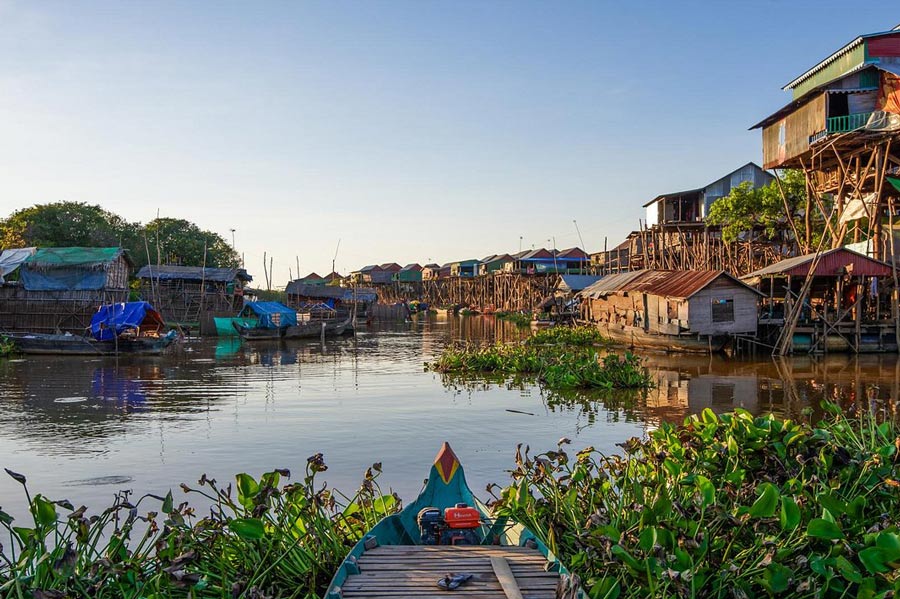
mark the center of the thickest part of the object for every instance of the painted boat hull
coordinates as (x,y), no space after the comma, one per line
(74,345)
(637,337)
(446,487)
(225,325)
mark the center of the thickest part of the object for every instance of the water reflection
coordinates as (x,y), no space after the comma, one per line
(78,426)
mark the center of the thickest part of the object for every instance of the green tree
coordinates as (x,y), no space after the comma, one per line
(182,242)
(774,213)
(66,224)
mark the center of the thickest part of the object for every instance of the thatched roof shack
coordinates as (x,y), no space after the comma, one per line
(193,294)
(301,295)
(76,268)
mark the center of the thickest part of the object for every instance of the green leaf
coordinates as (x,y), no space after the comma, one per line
(5,518)
(857,507)
(707,490)
(248,528)
(790,513)
(606,588)
(767,502)
(168,503)
(777,578)
(247,487)
(44,511)
(621,553)
(820,528)
(848,570)
(875,559)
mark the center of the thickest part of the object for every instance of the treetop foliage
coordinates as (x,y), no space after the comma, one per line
(77,224)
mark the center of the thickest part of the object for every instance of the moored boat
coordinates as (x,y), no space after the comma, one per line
(334,327)
(123,328)
(447,537)
(260,321)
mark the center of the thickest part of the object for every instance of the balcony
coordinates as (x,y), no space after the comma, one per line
(841,124)
(849,122)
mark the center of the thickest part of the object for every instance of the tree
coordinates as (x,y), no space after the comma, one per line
(182,242)
(66,224)
(774,213)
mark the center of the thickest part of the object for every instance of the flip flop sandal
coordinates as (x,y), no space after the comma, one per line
(452,581)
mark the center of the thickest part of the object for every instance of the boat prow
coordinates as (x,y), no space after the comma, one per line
(446,529)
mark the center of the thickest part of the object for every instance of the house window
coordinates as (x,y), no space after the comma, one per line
(723,310)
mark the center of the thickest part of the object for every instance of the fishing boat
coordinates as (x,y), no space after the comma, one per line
(333,327)
(446,540)
(123,328)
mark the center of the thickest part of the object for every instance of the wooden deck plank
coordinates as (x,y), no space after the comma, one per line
(396,571)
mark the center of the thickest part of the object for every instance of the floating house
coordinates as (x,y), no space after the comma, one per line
(672,310)
(59,289)
(411,273)
(312,278)
(493,263)
(430,272)
(193,295)
(846,305)
(300,296)
(367,274)
(544,261)
(464,268)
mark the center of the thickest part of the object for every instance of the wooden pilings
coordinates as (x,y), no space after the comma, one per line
(510,292)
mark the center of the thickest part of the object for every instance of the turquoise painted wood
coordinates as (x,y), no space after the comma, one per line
(445,488)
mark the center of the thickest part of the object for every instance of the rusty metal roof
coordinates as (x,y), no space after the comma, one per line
(681,284)
(832,263)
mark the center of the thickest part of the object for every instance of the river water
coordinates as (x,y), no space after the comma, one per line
(83,428)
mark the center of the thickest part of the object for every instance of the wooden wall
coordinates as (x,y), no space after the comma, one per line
(797,127)
(745,311)
(52,311)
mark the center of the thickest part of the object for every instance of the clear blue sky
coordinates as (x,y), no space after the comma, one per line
(413,131)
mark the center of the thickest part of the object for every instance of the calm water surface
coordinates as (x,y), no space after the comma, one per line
(83,428)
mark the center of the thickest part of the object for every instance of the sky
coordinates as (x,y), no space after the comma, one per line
(419,131)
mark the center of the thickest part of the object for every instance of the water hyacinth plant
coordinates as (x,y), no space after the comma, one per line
(262,538)
(724,506)
(7,347)
(561,358)
(518,318)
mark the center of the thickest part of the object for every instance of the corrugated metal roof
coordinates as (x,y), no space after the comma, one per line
(665,283)
(831,264)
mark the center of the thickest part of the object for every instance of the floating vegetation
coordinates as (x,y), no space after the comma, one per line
(7,347)
(517,318)
(724,506)
(261,539)
(561,358)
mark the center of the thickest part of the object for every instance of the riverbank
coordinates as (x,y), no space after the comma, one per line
(792,508)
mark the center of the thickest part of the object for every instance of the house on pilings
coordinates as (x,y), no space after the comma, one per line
(676,234)
(833,301)
(192,296)
(842,128)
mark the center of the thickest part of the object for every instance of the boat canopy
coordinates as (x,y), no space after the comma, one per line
(272,315)
(111,320)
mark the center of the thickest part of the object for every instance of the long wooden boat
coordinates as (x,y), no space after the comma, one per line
(251,333)
(418,553)
(316,328)
(77,345)
(225,324)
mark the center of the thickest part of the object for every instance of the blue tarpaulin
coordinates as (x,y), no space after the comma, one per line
(112,320)
(272,315)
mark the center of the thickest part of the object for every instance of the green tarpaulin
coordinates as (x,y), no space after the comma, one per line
(55,257)
(894,182)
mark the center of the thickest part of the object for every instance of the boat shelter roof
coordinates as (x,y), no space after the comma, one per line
(168,272)
(111,320)
(832,263)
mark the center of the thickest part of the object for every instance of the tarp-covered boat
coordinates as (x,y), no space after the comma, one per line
(446,540)
(272,320)
(123,328)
